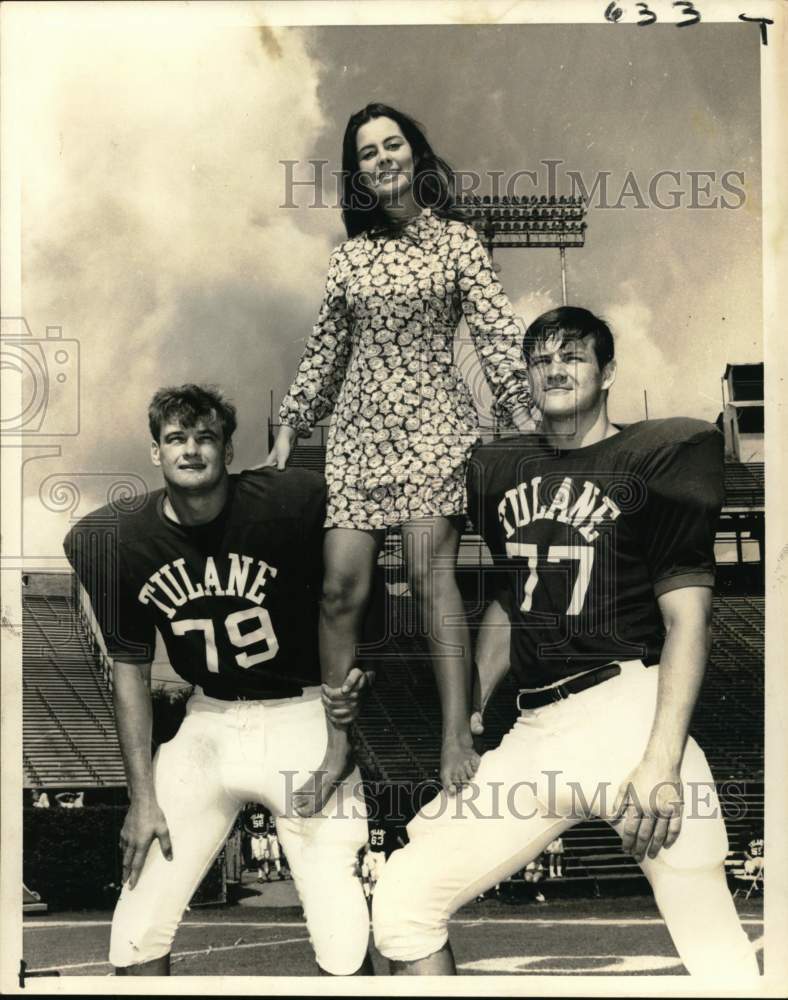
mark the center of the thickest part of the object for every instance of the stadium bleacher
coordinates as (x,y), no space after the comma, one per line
(744,485)
(69,738)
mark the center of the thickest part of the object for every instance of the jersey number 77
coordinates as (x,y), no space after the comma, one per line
(582,554)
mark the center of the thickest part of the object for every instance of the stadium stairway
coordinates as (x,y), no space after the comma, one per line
(69,738)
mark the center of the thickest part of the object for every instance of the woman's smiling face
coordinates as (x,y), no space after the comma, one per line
(385,161)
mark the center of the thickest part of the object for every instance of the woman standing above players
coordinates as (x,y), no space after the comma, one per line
(381,360)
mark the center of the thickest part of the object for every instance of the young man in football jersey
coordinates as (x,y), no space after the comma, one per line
(606,539)
(227,568)
(255,827)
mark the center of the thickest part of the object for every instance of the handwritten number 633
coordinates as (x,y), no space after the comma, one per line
(691,15)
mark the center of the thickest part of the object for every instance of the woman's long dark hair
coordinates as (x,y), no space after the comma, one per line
(433,178)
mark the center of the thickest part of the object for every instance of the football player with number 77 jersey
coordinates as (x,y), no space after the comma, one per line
(227,569)
(603,544)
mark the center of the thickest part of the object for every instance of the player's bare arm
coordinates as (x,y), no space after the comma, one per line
(651,796)
(144,821)
(492,659)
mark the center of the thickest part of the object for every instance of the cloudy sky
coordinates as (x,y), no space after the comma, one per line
(154,232)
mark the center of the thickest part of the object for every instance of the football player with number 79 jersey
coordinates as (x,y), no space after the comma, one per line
(227,569)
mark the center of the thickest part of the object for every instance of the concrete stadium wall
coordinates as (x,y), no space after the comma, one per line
(47,584)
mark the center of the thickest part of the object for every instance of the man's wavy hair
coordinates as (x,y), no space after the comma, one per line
(187,404)
(572,323)
(433,178)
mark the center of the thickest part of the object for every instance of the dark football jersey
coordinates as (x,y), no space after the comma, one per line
(383,839)
(755,848)
(235,600)
(587,539)
(256,822)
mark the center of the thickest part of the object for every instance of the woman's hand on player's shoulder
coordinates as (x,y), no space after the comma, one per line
(280,453)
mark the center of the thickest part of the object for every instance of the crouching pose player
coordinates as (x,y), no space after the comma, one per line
(606,537)
(227,568)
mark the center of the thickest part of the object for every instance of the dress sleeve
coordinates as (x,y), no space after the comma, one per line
(321,370)
(496,331)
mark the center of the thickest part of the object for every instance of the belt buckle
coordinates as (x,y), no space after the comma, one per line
(554,694)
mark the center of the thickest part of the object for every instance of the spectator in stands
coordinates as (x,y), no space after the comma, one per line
(380,359)
(555,858)
(533,873)
(70,800)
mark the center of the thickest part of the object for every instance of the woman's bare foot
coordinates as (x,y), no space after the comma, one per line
(459,762)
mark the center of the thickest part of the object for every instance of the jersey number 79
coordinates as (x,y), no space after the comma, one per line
(264,633)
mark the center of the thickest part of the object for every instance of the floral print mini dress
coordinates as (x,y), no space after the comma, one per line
(380,360)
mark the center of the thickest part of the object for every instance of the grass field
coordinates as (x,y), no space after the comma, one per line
(622,936)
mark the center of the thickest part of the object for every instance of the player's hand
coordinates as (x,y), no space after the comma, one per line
(280,453)
(648,809)
(459,762)
(144,823)
(343,704)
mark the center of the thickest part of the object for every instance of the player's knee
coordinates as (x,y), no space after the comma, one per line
(408,921)
(134,946)
(336,910)
(343,953)
(702,846)
(338,922)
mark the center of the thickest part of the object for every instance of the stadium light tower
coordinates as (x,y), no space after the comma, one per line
(534,221)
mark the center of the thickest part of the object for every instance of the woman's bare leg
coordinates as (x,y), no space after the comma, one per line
(430,546)
(349,556)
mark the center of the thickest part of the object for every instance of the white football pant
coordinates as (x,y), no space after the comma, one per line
(558,763)
(225,754)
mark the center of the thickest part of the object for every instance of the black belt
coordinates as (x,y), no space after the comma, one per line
(535,699)
(226,694)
